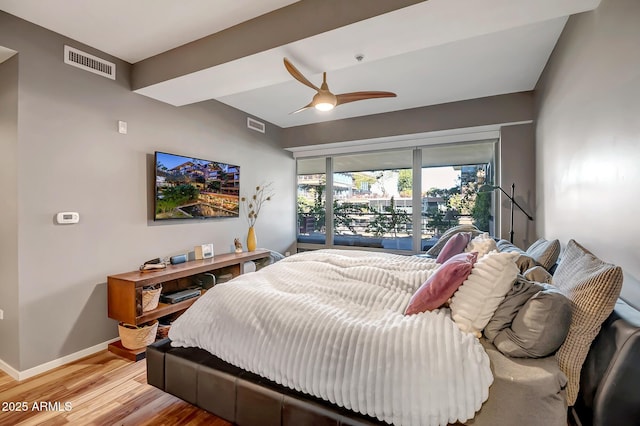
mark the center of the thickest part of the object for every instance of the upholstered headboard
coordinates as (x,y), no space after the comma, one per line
(610,375)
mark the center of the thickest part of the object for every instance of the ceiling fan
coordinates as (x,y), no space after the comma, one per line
(324,100)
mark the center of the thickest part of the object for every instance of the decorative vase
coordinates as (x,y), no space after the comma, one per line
(251,239)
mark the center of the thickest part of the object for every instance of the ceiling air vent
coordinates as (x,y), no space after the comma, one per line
(87,62)
(256,125)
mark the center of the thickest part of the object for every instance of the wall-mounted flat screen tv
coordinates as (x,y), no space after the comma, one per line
(192,188)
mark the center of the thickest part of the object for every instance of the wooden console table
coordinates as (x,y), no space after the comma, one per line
(124,291)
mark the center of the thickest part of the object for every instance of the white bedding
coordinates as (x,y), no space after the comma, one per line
(330,323)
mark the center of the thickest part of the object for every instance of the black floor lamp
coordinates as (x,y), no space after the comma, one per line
(489,188)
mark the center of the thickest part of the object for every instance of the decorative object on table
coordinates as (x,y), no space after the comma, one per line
(179,258)
(137,336)
(252,241)
(253,205)
(151,297)
(152,265)
(204,251)
(238,245)
(489,188)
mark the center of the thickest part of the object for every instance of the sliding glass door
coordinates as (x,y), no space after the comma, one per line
(372,200)
(393,200)
(450,176)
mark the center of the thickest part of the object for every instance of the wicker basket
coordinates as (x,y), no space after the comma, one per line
(150,298)
(133,337)
(163,331)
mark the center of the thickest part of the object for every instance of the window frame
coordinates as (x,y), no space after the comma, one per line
(416,216)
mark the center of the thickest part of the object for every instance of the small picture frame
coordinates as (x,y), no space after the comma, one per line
(204,251)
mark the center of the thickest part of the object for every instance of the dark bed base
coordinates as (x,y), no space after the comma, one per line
(610,377)
(608,388)
(236,395)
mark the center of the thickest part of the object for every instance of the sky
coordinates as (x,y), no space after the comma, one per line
(432,177)
(172,160)
(439,177)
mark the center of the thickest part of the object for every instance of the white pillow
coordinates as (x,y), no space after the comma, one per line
(475,302)
(482,244)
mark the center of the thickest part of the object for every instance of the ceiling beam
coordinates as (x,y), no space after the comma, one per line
(297,21)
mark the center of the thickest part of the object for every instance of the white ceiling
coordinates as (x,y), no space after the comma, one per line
(433,52)
(134,30)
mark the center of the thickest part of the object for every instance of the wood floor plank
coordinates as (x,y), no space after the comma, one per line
(102,389)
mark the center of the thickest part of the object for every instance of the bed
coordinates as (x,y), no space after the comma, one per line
(322,338)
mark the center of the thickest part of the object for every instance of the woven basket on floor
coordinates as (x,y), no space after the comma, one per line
(133,337)
(150,298)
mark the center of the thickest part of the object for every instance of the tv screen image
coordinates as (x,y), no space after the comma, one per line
(192,188)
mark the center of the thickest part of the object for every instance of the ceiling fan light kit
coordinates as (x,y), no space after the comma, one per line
(324,100)
(323,105)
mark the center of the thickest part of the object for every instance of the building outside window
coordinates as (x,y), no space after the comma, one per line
(373,196)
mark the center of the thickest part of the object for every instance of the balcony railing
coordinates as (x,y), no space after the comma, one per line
(367,229)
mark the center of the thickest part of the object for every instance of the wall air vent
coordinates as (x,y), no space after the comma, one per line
(87,62)
(256,125)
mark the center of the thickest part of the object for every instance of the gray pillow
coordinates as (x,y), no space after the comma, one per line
(507,246)
(519,294)
(538,274)
(539,328)
(544,252)
(532,321)
(524,261)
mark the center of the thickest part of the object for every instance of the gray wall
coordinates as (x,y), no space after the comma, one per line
(492,110)
(517,165)
(9,208)
(588,138)
(71,157)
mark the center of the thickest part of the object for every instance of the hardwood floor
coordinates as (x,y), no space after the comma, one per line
(102,389)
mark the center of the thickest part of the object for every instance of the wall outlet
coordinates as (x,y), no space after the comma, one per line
(1,314)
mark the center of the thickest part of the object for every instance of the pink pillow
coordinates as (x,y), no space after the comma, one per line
(455,245)
(440,286)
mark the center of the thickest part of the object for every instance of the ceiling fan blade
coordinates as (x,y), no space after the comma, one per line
(361,96)
(298,75)
(309,105)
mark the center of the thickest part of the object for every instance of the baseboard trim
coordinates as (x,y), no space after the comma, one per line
(43,368)
(12,372)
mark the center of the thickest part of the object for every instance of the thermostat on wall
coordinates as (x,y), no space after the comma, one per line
(65,218)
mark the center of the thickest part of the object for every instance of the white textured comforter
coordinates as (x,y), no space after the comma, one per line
(330,323)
